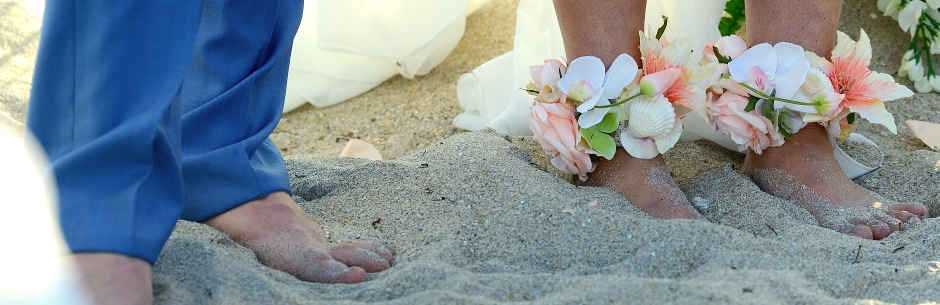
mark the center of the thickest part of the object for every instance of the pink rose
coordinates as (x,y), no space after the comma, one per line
(556,130)
(548,73)
(747,129)
(728,46)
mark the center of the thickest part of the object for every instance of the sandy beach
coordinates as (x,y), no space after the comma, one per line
(483,218)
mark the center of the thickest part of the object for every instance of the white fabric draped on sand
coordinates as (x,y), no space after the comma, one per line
(490,95)
(344,48)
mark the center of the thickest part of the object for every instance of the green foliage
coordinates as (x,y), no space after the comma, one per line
(751,103)
(662,29)
(721,58)
(601,142)
(610,122)
(732,22)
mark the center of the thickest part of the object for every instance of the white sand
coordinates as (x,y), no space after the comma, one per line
(481,224)
(488,220)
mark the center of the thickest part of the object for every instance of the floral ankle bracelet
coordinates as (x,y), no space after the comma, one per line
(762,95)
(581,112)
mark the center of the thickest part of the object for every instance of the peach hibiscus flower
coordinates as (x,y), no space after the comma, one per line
(688,90)
(865,90)
(553,125)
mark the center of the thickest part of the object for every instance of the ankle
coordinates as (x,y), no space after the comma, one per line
(115,279)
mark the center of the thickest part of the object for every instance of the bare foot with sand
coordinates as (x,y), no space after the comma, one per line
(805,170)
(279,232)
(285,238)
(646,183)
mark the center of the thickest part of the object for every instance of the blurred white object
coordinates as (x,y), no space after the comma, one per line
(344,48)
(35,268)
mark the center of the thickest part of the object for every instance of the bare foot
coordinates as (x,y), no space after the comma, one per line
(806,171)
(645,183)
(285,238)
(115,279)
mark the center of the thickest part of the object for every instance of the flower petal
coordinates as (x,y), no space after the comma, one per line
(818,62)
(876,113)
(885,89)
(761,55)
(588,68)
(731,46)
(594,116)
(790,80)
(657,83)
(909,16)
(621,73)
(644,148)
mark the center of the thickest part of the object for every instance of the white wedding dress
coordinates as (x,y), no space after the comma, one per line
(344,48)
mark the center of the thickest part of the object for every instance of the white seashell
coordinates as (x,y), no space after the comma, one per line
(816,82)
(653,117)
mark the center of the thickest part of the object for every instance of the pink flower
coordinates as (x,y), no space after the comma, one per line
(547,74)
(688,89)
(728,46)
(657,83)
(865,91)
(556,130)
(747,129)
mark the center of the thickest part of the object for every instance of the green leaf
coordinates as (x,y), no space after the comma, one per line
(785,133)
(721,58)
(610,122)
(851,118)
(601,142)
(752,102)
(731,23)
(768,111)
(662,29)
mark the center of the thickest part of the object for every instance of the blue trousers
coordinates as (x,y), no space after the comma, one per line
(154,111)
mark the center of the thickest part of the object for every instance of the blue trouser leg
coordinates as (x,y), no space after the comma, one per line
(105,106)
(142,124)
(232,99)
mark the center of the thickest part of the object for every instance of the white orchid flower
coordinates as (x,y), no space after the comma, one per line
(784,67)
(922,85)
(910,15)
(934,4)
(890,8)
(916,72)
(934,82)
(593,87)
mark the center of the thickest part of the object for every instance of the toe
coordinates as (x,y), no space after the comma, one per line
(879,229)
(902,216)
(383,251)
(353,275)
(914,208)
(858,230)
(331,271)
(352,255)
